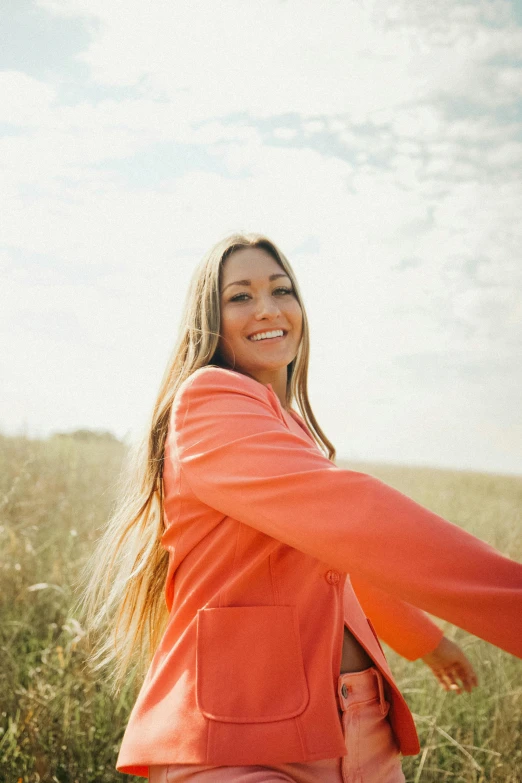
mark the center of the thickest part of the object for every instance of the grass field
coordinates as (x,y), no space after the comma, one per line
(58,721)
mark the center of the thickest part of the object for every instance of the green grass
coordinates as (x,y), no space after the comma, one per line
(58,721)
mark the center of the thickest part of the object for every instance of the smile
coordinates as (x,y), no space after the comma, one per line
(267,335)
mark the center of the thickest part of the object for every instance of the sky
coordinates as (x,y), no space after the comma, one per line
(379,144)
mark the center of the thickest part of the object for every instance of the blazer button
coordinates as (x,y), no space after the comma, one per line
(332,577)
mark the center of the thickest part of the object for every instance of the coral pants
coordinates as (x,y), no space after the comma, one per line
(371,751)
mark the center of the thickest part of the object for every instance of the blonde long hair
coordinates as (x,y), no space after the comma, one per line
(123,603)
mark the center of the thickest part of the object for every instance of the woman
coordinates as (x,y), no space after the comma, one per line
(267,667)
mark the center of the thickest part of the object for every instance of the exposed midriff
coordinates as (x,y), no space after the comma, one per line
(354,657)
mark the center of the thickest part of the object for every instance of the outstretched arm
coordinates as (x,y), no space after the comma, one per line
(238,456)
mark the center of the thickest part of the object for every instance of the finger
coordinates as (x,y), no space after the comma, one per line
(448,681)
(439,676)
(452,680)
(467,672)
(468,678)
(473,678)
(459,679)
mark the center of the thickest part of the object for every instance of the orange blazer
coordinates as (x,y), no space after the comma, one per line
(262,530)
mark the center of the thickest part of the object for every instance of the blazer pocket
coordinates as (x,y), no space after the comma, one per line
(250,664)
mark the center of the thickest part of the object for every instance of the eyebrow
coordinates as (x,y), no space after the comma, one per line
(249,282)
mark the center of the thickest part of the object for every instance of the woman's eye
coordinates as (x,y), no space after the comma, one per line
(280,291)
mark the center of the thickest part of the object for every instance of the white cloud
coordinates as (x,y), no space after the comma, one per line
(23,100)
(362,60)
(340,125)
(285,133)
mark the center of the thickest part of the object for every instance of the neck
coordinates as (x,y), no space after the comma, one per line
(277,380)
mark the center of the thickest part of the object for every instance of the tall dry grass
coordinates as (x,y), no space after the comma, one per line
(477,737)
(58,721)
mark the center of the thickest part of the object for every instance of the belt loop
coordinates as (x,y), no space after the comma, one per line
(380,685)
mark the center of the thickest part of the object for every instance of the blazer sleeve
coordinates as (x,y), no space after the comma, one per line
(408,630)
(239,458)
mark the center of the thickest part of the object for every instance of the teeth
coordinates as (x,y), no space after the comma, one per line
(266,335)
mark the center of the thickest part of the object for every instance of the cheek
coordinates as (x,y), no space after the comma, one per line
(229,325)
(297,318)
(230,330)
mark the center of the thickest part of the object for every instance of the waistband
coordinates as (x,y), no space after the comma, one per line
(356,687)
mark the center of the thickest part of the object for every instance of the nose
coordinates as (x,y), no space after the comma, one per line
(267,307)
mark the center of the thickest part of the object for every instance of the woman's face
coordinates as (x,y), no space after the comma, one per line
(261,319)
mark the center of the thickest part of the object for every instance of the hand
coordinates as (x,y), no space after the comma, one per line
(451,667)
